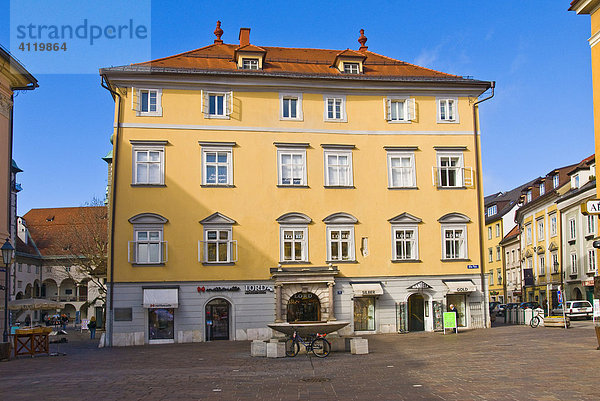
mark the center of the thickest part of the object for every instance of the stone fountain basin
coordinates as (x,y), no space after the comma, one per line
(306,328)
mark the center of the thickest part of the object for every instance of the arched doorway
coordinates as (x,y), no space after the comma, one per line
(416,313)
(217,319)
(303,307)
(577,295)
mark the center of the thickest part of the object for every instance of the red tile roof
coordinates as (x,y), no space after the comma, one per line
(61,231)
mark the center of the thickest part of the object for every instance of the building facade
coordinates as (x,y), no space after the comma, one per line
(13,77)
(539,222)
(253,185)
(511,250)
(578,231)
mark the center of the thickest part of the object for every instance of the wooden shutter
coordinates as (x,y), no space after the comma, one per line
(411,107)
(468,177)
(387,109)
(135,102)
(228,103)
(204,105)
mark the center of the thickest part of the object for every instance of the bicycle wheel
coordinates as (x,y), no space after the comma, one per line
(291,347)
(535,322)
(320,347)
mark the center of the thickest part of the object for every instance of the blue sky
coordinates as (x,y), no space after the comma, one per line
(536,51)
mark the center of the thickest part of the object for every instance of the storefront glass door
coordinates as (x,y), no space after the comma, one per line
(460,302)
(217,320)
(161,324)
(416,315)
(364,314)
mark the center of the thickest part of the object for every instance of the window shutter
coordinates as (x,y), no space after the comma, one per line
(135,104)
(387,109)
(434,175)
(412,109)
(204,105)
(229,103)
(468,172)
(159,102)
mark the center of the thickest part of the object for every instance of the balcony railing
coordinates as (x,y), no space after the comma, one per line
(147,252)
(217,251)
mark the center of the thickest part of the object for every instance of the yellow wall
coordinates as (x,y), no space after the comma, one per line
(256,202)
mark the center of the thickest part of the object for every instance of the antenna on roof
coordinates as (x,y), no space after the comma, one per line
(362,40)
(218,33)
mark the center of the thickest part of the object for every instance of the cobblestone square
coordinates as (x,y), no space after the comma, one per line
(502,363)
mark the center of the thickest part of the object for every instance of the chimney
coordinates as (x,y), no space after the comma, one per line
(244,36)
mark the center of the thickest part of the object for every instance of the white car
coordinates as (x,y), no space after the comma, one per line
(575,309)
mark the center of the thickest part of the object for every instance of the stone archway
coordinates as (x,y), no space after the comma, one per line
(577,295)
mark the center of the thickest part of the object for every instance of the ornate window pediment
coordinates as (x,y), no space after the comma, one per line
(148,218)
(294,218)
(405,218)
(217,219)
(454,218)
(340,218)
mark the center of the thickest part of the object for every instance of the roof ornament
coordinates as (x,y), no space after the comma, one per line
(218,33)
(362,40)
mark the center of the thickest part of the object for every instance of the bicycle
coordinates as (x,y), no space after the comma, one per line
(536,320)
(316,343)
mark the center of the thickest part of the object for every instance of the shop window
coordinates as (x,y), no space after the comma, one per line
(303,307)
(364,313)
(161,324)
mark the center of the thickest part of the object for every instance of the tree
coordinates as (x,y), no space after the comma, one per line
(84,243)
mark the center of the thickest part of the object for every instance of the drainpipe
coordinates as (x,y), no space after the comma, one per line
(109,315)
(480,196)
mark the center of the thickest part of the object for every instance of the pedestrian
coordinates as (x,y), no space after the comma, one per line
(64,319)
(92,327)
(453,309)
(27,320)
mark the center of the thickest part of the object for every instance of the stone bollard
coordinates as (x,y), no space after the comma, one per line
(275,349)
(359,346)
(259,348)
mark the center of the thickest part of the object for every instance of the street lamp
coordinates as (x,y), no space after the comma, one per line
(7,255)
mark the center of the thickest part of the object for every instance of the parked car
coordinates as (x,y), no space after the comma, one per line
(501,309)
(512,305)
(529,305)
(575,309)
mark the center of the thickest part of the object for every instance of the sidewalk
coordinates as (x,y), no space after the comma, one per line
(503,363)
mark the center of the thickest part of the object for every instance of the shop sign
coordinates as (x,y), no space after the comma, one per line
(591,207)
(596,307)
(303,295)
(589,282)
(218,289)
(472,266)
(449,321)
(258,289)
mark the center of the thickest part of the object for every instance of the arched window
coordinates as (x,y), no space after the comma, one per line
(303,307)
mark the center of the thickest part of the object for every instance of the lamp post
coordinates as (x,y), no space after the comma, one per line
(7,255)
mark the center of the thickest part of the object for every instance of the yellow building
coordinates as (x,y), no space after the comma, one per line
(13,77)
(539,220)
(500,209)
(253,185)
(592,8)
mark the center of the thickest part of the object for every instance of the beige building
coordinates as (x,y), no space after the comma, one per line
(512,264)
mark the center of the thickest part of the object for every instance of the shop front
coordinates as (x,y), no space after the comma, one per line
(364,304)
(161,304)
(458,292)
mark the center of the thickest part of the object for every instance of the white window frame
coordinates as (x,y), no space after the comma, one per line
(572,229)
(136,102)
(542,264)
(414,241)
(291,151)
(349,171)
(492,210)
(497,230)
(445,101)
(542,189)
(489,232)
(353,67)
(459,179)
(555,180)
(230,243)
(351,248)
(574,267)
(498,253)
(592,260)
(413,171)
(249,63)
(229,164)
(491,278)
(553,225)
(540,229)
(499,276)
(463,250)
(528,233)
(342,117)
(135,164)
(555,264)
(529,195)
(227,104)
(304,242)
(590,225)
(490,255)
(407,105)
(148,228)
(289,96)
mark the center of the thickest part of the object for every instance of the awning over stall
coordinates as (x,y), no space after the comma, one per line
(367,289)
(460,287)
(161,297)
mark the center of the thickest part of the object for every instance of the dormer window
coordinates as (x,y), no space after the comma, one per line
(250,64)
(576,181)
(555,181)
(542,189)
(492,210)
(351,68)
(529,196)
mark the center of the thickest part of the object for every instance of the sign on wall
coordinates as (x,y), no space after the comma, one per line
(449,321)
(591,207)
